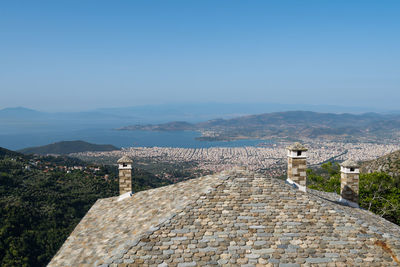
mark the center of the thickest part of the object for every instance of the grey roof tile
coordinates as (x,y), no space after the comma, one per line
(297,147)
(350,164)
(125,159)
(219,222)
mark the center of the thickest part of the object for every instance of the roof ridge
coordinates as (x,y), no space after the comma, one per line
(103,210)
(355,211)
(214,213)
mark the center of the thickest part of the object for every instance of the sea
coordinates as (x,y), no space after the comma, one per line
(121,139)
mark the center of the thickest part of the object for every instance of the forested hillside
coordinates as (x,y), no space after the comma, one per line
(43,198)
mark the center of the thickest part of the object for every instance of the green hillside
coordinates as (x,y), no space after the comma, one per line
(5,152)
(43,198)
(66,147)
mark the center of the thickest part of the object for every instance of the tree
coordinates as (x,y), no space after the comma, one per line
(380,195)
(326,179)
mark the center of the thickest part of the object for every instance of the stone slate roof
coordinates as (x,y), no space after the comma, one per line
(297,147)
(234,218)
(125,159)
(349,164)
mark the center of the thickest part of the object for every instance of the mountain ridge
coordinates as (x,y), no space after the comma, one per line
(66,147)
(389,163)
(303,124)
(4,152)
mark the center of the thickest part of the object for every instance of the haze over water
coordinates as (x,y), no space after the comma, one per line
(184,139)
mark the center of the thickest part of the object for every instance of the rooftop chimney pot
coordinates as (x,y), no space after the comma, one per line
(349,182)
(125,175)
(297,166)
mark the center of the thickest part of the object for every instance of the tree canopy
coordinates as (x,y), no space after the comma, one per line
(41,203)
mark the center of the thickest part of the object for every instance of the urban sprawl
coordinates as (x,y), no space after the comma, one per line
(270,158)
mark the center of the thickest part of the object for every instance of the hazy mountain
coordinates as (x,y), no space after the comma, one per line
(66,147)
(170,126)
(17,125)
(196,112)
(21,117)
(22,120)
(291,125)
(21,113)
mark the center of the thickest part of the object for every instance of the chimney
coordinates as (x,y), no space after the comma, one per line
(349,182)
(125,175)
(297,166)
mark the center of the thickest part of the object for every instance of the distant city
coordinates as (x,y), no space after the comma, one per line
(270,159)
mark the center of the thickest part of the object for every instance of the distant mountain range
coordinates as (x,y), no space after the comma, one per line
(291,125)
(67,147)
(16,119)
(21,127)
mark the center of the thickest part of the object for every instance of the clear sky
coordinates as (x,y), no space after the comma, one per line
(79,55)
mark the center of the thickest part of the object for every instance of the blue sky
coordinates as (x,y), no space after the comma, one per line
(80,55)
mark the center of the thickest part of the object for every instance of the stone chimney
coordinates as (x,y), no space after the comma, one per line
(297,166)
(349,182)
(125,175)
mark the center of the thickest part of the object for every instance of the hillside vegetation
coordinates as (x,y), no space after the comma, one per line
(5,152)
(389,163)
(41,203)
(67,147)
